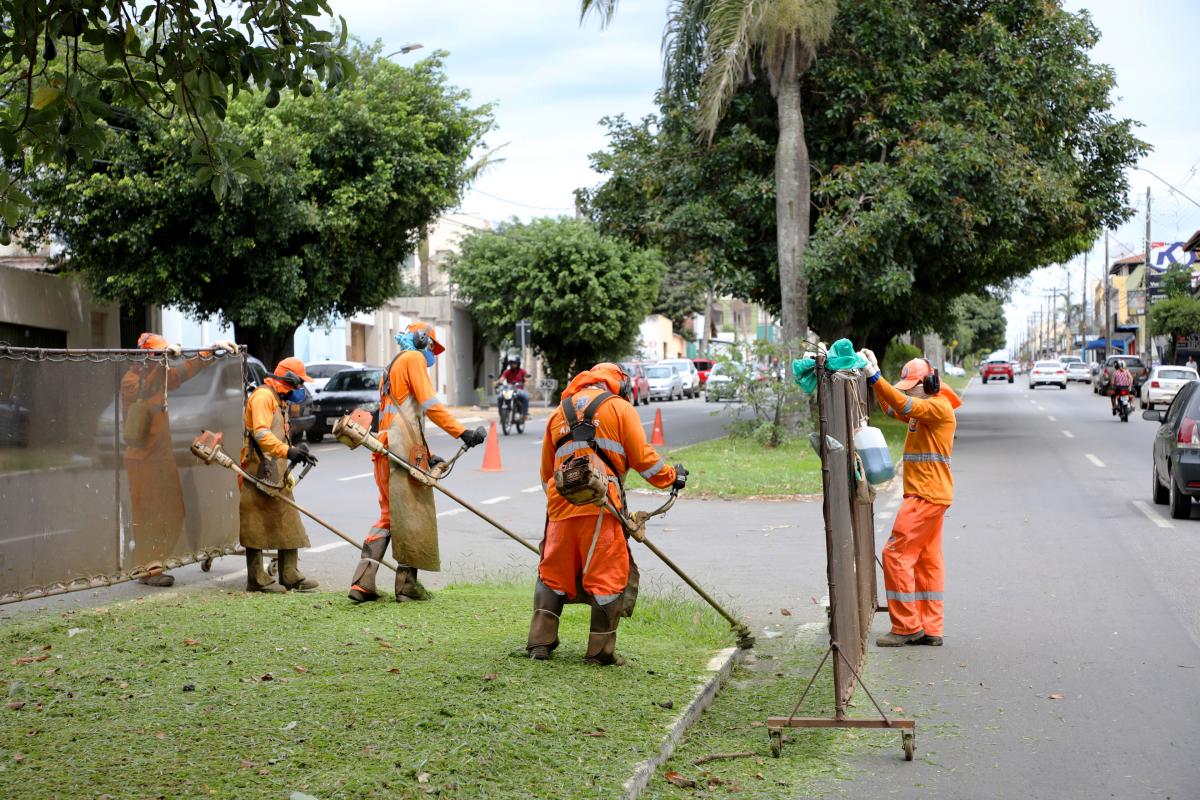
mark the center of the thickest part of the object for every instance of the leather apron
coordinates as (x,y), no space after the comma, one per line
(414,517)
(267,523)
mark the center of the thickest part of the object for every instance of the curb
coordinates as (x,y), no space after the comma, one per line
(721,666)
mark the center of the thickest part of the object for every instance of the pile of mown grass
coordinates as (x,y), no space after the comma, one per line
(261,696)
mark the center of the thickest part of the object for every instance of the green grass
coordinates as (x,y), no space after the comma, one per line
(958,382)
(737,468)
(252,696)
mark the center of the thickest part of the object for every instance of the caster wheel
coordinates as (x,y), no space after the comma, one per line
(776,737)
(206,565)
(909,740)
(273,566)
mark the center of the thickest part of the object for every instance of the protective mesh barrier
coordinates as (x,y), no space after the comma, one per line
(97,483)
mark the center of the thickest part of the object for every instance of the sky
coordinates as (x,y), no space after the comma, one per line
(552,80)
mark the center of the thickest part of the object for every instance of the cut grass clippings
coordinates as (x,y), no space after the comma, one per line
(739,468)
(253,696)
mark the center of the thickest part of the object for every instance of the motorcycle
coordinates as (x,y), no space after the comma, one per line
(507,401)
(1124,403)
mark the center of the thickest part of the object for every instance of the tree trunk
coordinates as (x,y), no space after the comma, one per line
(268,345)
(792,188)
(705,341)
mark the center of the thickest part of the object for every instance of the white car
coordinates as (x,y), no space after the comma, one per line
(665,383)
(322,371)
(1048,373)
(688,374)
(1164,383)
(1079,371)
(721,385)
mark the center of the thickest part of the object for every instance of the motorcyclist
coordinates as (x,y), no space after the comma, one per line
(1121,378)
(514,376)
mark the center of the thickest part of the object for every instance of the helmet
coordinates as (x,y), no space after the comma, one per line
(425,337)
(290,371)
(1121,364)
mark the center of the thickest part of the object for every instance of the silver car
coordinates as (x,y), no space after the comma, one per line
(665,382)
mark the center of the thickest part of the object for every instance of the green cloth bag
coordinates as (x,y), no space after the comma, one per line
(841,357)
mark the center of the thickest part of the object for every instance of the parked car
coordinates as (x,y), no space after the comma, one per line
(637,376)
(1079,371)
(665,382)
(722,383)
(346,391)
(300,415)
(1132,363)
(1067,361)
(703,367)
(996,368)
(1048,373)
(952,369)
(1175,470)
(688,374)
(322,371)
(1164,383)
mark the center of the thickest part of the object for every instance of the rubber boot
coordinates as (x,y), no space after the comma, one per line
(602,637)
(362,585)
(289,572)
(899,639)
(407,585)
(543,628)
(257,579)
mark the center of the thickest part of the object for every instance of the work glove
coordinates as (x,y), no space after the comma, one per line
(473,438)
(872,361)
(680,477)
(228,345)
(298,454)
(434,461)
(173,351)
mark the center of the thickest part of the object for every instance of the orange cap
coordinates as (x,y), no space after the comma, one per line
(291,364)
(152,341)
(913,373)
(435,345)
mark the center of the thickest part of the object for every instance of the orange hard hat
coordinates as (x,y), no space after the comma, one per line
(152,341)
(913,373)
(425,327)
(293,366)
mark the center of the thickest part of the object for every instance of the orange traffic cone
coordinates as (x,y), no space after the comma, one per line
(656,436)
(491,453)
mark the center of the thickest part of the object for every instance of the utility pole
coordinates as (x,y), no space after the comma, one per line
(1107,313)
(1144,328)
(1083,310)
(1067,324)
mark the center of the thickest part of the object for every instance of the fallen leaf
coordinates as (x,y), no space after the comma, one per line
(17,662)
(696,618)
(300,669)
(760,776)
(596,733)
(45,647)
(898,709)
(395,670)
(422,777)
(714,781)
(18,757)
(291,725)
(680,781)
(248,764)
(1055,696)
(123,685)
(160,735)
(785,612)
(491,676)
(667,704)
(191,687)
(267,677)
(191,642)
(758,724)
(17,705)
(75,632)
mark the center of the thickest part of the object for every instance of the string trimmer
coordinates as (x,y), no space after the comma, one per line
(207,448)
(354,430)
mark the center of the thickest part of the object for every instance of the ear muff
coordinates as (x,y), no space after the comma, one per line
(421,340)
(291,379)
(931,383)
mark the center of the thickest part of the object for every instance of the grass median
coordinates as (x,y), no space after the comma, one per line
(252,696)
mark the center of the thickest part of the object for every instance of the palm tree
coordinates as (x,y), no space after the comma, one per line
(716,42)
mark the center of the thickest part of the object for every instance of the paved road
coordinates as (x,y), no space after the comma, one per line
(1063,579)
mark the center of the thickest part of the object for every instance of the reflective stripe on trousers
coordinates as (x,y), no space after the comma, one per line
(913,568)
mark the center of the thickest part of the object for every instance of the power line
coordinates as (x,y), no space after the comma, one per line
(523,205)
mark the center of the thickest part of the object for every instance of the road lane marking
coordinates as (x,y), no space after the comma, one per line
(1040,407)
(356,477)
(1052,418)
(470,420)
(494,500)
(451,512)
(532,489)
(1141,506)
(326,547)
(1094,460)
(1068,434)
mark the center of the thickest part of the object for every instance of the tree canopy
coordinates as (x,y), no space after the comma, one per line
(349,178)
(979,325)
(956,147)
(585,293)
(1173,317)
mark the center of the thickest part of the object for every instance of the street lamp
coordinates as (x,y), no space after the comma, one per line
(408,48)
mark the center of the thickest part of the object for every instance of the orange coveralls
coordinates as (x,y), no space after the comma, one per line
(570,529)
(913,568)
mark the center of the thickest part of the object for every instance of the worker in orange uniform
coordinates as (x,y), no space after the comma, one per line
(406,397)
(913,568)
(155,489)
(267,522)
(584,549)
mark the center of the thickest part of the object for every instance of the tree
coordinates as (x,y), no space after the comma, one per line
(782,35)
(1177,281)
(584,292)
(65,65)
(1175,317)
(957,147)
(979,324)
(349,179)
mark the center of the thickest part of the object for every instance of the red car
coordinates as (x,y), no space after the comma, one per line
(996,369)
(703,366)
(641,385)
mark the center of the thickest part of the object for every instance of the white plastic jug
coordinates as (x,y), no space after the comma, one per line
(876,457)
